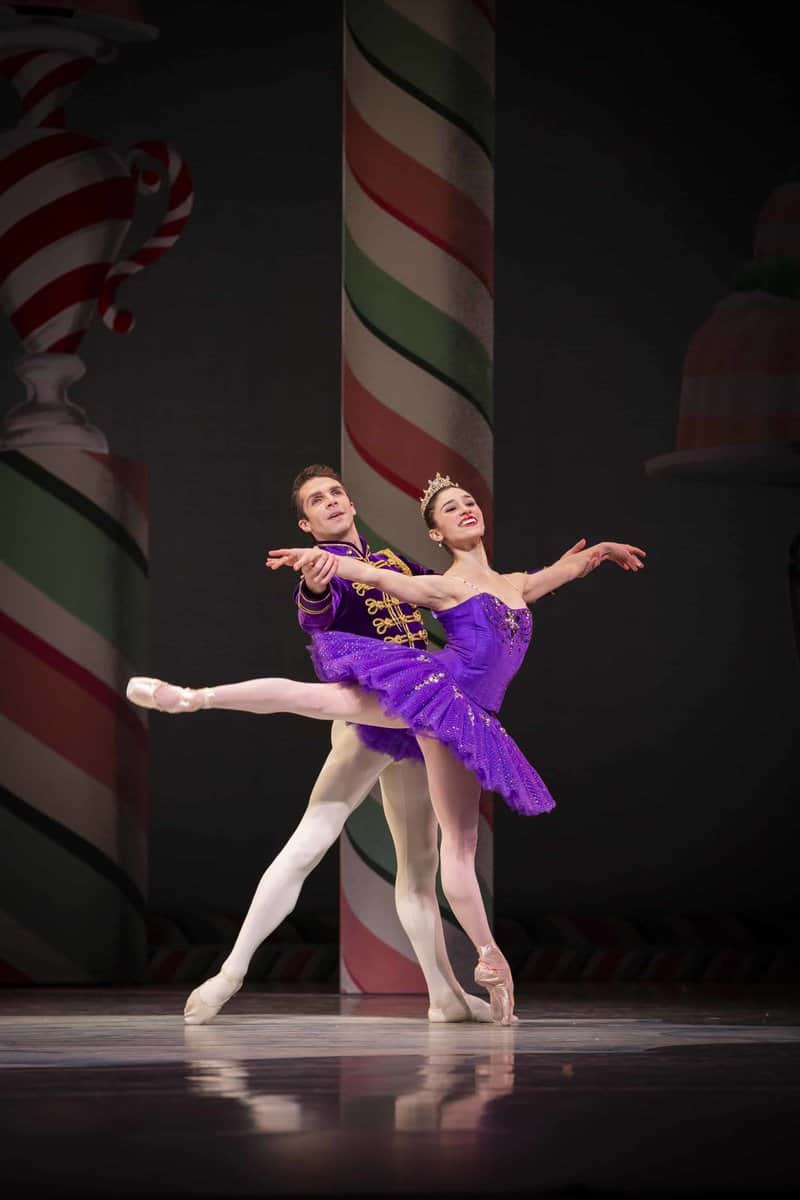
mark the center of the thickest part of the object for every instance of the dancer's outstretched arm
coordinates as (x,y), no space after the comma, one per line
(574,565)
(430,591)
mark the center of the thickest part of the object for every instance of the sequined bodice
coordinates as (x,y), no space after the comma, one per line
(486,643)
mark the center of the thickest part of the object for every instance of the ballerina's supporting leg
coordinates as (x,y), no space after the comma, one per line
(414,831)
(455,796)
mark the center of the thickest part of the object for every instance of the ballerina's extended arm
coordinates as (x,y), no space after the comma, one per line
(574,565)
(429,591)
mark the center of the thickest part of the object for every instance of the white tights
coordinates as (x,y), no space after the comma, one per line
(349,773)
(454,790)
(344,781)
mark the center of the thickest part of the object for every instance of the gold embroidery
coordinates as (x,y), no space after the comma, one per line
(383,624)
(392,560)
(395,617)
(408,639)
(395,614)
(313,612)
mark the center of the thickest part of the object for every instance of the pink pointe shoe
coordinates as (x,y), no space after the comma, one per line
(142,690)
(495,976)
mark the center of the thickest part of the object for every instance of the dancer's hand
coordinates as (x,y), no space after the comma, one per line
(576,549)
(577,563)
(585,561)
(582,562)
(625,556)
(319,572)
(317,566)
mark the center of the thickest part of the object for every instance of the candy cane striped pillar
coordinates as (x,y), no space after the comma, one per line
(73,752)
(417,349)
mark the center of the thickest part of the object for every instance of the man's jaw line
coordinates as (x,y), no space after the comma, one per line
(349,534)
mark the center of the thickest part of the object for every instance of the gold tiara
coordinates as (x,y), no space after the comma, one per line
(437,484)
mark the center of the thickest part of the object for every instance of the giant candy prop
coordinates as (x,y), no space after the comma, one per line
(418,311)
(739,418)
(73,539)
(66,204)
(739,412)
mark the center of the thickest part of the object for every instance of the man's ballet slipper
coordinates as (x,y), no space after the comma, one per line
(200,1009)
(142,690)
(496,978)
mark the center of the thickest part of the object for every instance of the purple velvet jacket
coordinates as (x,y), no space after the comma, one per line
(356,608)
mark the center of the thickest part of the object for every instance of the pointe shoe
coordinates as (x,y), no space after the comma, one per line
(481,1011)
(496,978)
(142,690)
(204,1002)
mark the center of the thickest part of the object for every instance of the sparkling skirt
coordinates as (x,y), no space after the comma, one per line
(411,685)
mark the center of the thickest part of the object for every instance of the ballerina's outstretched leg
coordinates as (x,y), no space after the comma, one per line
(320,701)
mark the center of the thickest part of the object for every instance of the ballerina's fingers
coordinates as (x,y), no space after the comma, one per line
(623,555)
(289,557)
(278,559)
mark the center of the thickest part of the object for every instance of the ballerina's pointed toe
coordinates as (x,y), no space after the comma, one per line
(141,690)
(496,978)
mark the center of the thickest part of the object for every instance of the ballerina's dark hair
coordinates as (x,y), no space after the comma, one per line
(427,513)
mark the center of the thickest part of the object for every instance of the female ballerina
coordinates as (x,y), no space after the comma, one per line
(448,701)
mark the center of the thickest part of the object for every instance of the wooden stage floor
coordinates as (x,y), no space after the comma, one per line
(605,1090)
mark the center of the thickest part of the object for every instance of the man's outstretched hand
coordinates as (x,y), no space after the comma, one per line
(317,566)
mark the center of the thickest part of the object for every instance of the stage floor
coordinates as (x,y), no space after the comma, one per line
(632,1090)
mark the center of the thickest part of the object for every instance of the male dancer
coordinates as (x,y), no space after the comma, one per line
(350,771)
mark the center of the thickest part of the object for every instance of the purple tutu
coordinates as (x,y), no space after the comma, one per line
(399,744)
(427,691)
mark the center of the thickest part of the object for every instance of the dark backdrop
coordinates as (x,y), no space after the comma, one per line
(633,157)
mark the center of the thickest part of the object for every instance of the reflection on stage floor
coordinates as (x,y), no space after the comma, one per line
(637,1090)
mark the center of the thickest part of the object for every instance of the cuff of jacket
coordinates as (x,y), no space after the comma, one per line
(312,603)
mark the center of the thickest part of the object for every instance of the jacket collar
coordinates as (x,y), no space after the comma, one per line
(347,548)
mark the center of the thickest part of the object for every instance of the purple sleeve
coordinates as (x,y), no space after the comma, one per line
(317,612)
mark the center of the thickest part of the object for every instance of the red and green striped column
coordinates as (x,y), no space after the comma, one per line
(73,752)
(417,350)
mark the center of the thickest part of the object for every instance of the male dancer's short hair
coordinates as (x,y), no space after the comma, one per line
(315,471)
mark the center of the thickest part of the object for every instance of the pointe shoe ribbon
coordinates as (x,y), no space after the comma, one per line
(141,690)
(496,978)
